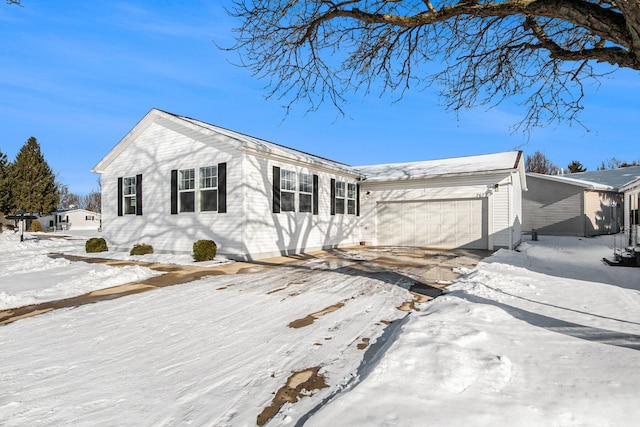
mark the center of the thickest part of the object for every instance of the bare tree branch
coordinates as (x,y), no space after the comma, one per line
(475,52)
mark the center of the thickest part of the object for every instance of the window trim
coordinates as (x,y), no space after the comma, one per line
(181,190)
(307,192)
(202,189)
(129,187)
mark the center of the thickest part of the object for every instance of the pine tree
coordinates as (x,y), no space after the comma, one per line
(575,167)
(6,205)
(32,180)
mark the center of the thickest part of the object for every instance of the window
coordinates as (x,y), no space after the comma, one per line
(129,194)
(340,193)
(89,218)
(287,191)
(186,190)
(208,189)
(351,199)
(202,189)
(305,189)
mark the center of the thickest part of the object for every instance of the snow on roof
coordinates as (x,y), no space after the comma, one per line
(258,144)
(572,181)
(452,166)
(613,177)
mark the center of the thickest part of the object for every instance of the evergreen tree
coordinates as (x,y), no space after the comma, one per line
(32,180)
(575,167)
(6,205)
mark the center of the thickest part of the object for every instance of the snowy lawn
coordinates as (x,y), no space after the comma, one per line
(545,336)
(29,276)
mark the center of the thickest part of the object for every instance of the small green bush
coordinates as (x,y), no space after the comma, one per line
(35,226)
(96,244)
(141,249)
(204,250)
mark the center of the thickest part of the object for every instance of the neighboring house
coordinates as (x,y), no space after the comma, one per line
(71,219)
(626,181)
(561,205)
(173,180)
(631,193)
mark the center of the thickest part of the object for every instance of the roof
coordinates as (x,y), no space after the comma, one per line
(614,177)
(564,179)
(237,139)
(506,161)
(485,163)
(631,185)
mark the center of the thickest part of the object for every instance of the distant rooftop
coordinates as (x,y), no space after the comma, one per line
(612,177)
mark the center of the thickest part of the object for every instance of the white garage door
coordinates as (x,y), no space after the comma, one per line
(445,224)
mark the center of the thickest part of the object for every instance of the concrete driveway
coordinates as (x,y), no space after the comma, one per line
(425,272)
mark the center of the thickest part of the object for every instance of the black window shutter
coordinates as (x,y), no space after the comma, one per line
(276,189)
(333,196)
(357,199)
(222,187)
(139,194)
(174,192)
(315,194)
(120,196)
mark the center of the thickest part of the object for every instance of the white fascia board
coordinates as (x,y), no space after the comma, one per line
(572,181)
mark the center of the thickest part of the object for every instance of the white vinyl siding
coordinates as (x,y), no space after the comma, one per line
(160,148)
(276,233)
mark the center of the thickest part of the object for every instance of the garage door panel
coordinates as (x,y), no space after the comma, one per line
(446,224)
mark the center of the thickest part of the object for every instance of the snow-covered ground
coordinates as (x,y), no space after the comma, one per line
(545,336)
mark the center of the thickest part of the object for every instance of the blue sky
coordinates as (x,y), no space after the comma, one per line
(79,75)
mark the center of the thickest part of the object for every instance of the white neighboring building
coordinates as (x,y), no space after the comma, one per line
(71,219)
(173,180)
(631,192)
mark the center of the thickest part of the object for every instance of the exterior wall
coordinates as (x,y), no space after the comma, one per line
(603,212)
(553,208)
(270,234)
(631,202)
(516,210)
(443,188)
(162,147)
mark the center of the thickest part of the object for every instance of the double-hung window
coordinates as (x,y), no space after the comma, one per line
(351,199)
(340,197)
(208,186)
(287,191)
(129,194)
(305,189)
(186,190)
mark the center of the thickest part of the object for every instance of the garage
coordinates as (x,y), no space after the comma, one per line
(444,224)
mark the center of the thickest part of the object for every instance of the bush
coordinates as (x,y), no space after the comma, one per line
(35,226)
(141,249)
(204,250)
(96,244)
